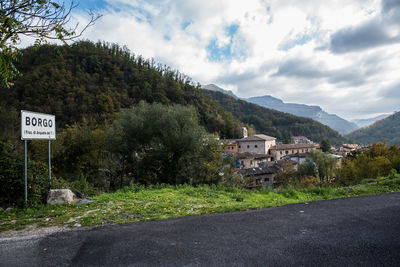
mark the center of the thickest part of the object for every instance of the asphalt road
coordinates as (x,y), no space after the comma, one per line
(362,231)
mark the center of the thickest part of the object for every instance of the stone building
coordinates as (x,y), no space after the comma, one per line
(258,144)
(280,151)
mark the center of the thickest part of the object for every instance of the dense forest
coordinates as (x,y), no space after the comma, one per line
(92,81)
(383,130)
(274,123)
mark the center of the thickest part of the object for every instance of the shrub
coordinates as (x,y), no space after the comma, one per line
(12,178)
(309,182)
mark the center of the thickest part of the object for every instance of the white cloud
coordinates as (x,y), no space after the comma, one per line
(275,35)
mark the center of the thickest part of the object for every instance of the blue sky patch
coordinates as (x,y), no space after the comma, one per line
(227,52)
(91,5)
(231,30)
(185,24)
(298,41)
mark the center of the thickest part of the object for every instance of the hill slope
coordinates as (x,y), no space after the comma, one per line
(366,122)
(387,130)
(313,112)
(273,122)
(92,82)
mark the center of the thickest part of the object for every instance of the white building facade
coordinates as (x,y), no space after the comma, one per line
(259,144)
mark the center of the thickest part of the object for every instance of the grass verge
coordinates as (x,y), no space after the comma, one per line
(137,203)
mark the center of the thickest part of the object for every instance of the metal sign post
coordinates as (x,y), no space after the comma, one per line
(26,171)
(49,164)
(36,126)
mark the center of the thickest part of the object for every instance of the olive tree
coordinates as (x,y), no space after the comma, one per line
(161,144)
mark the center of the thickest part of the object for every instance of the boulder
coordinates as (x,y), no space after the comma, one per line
(60,196)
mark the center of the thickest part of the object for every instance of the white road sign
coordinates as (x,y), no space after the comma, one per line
(37,126)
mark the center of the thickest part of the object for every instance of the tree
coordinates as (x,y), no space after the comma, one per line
(161,144)
(325,145)
(286,175)
(41,19)
(321,165)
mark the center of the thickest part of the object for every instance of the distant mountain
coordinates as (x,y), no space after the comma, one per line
(313,112)
(387,130)
(273,122)
(365,122)
(213,87)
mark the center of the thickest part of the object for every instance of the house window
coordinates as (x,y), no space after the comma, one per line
(242,163)
(251,162)
(286,152)
(307,150)
(239,146)
(255,146)
(280,152)
(248,146)
(302,150)
(292,151)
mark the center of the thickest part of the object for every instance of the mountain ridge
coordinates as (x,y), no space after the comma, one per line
(313,112)
(368,121)
(384,130)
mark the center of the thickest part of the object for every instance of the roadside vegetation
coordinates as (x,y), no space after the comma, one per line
(138,203)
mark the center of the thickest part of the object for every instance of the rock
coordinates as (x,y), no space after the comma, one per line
(60,196)
(9,209)
(84,201)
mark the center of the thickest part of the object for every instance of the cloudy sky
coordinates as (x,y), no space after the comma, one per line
(342,55)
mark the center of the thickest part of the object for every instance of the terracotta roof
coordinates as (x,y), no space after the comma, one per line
(258,171)
(300,155)
(257,137)
(248,155)
(293,146)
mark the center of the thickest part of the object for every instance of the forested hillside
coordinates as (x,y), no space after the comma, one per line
(386,130)
(274,123)
(92,82)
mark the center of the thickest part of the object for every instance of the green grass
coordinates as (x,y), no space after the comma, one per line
(137,203)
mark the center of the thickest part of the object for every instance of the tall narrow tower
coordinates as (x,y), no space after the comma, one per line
(244,132)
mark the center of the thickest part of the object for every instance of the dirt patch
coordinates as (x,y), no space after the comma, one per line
(33,230)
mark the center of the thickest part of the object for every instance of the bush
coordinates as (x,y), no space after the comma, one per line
(12,178)
(309,182)
(378,161)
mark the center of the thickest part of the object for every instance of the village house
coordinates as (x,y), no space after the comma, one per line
(230,145)
(250,160)
(260,157)
(299,158)
(259,144)
(264,176)
(278,152)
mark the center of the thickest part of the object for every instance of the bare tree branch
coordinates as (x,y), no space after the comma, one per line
(41,19)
